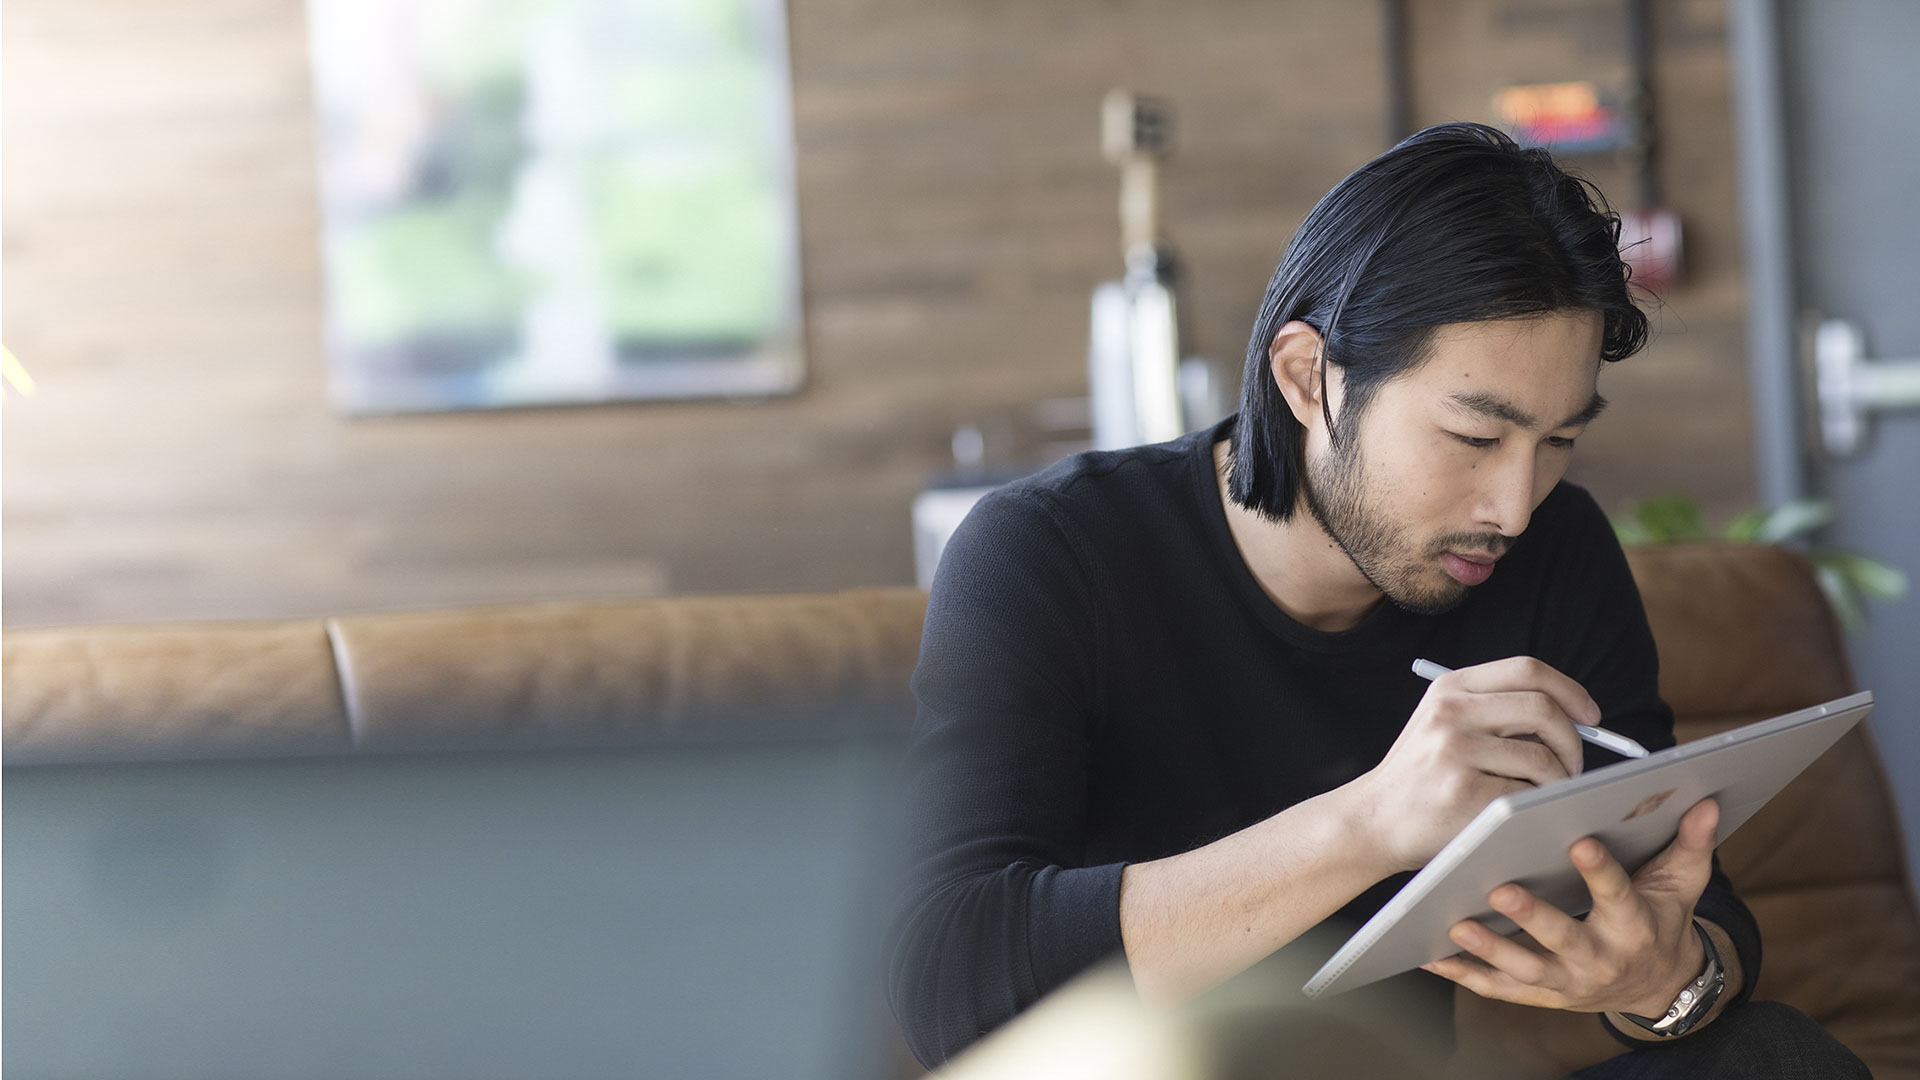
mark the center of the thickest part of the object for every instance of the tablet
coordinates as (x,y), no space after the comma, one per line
(1634,807)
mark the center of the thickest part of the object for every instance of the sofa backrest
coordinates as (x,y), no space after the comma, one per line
(643,672)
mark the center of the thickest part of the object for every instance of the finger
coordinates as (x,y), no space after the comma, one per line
(1483,787)
(1524,718)
(1700,827)
(1521,964)
(1557,932)
(1517,759)
(1606,879)
(1521,675)
(1489,982)
(1527,673)
(1517,713)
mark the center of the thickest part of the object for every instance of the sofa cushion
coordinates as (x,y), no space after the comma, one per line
(134,693)
(1847,954)
(673,668)
(1743,629)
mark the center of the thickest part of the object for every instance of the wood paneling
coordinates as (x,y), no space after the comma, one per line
(1681,420)
(163,284)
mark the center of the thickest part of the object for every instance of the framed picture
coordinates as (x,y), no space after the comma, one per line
(533,202)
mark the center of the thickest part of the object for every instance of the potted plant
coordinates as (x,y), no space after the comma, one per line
(1848,578)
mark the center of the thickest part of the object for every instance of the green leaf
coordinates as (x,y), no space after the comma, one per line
(1630,531)
(1846,603)
(1745,528)
(1869,577)
(1794,519)
(1670,518)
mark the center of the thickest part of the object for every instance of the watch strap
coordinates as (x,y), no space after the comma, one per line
(1695,999)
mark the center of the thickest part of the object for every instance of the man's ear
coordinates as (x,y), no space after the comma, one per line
(1294,356)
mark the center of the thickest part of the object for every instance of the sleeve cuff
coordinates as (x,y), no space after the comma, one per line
(1073,921)
(1720,907)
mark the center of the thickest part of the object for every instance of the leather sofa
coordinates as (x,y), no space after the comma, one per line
(1743,632)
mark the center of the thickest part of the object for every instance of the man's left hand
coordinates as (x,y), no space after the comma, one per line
(1632,953)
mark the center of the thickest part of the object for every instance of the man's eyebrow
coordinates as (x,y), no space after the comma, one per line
(1586,416)
(1495,407)
(1499,408)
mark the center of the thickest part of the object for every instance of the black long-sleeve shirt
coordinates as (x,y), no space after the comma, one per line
(1103,681)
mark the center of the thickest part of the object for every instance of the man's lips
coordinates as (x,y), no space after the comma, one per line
(1468,569)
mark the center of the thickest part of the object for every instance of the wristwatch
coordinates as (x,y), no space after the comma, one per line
(1696,998)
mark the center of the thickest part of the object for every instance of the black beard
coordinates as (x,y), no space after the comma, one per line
(1335,492)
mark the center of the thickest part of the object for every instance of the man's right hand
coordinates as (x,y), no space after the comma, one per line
(1479,733)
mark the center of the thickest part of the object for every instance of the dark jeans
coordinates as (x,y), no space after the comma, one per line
(1759,1040)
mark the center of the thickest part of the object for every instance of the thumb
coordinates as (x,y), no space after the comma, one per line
(1687,863)
(1700,827)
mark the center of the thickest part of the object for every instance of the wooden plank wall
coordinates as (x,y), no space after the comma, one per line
(162,282)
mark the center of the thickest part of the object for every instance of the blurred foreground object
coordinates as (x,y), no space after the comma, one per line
(1254,1027)
(15,373)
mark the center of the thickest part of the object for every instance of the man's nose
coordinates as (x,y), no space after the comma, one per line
(1506,499)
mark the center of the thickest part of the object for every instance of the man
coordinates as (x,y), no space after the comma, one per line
(1165,701)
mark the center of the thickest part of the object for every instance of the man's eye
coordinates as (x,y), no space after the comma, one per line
(1560,442)
(1480,444)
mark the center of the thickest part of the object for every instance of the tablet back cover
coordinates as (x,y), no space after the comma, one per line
(1634,807)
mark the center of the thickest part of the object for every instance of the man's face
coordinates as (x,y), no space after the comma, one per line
(1449,460)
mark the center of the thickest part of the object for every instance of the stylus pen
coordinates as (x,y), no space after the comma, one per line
(1601,737)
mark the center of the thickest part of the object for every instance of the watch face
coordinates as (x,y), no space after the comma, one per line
(1695,1006)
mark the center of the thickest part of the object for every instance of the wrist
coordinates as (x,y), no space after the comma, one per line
(1696,1002)
(1684,969)
(1359,825)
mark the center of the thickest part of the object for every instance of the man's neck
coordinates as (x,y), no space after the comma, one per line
(1297,564)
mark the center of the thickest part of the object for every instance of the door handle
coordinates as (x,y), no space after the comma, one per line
(1848,387)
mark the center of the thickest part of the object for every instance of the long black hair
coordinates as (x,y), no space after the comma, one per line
(1455,224)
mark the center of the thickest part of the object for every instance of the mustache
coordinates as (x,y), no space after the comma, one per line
(1489,545)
